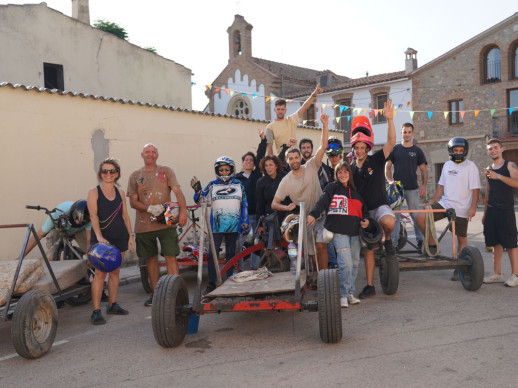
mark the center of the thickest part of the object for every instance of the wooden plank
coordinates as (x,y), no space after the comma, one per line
(279,282)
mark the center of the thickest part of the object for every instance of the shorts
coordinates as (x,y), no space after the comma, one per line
(318,228)
(120,244)
(461,223)
(500,227)
(380,212)
(147,243)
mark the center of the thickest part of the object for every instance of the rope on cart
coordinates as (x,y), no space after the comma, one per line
(429,228)
(247,276)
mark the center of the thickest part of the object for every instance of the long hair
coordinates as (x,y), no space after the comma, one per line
(343,165)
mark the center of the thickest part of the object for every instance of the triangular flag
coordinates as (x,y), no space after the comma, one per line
(217,90)
(370,114)
(411,114)
(462,112)
(227,90)
(208,87)
(348,118)
(446,114)
(492,112)
(357,110)
(254,95)
(232,92)
(337,119)
(324,106)
(476,113)
(409,103)
(364,111)
(395,112)
(304,122)
(193,83)
(430,115)
(511,111)
(341,109)
(243,94)
(268,99)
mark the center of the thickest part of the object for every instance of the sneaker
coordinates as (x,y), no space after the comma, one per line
(210,287)
(353,300)
(389,248)
(149,302)
(455,276)
(367,292)
(343,301)
(97,318)
(494,278)
(512,281)
(116,309)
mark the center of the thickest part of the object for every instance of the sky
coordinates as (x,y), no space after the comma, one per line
(347,37)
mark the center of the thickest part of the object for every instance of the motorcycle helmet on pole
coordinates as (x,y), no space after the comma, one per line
(79,215)
(104,257)
(458,142)
(334,146)
(395,195)
(225,161)
(372,237)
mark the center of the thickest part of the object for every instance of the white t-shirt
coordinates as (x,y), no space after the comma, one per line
(459,180)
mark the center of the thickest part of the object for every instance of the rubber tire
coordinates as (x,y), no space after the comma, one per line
(144,277)
(80,299)
(169,327)
(35,323)
(389,275)
(403,237)
(471,277)
(329,309)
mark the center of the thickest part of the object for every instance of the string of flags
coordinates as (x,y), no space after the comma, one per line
(363,111)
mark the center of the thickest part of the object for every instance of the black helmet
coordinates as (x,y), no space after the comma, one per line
(79,215)
(334,146)
(458,142)
(372,237)
(224,161)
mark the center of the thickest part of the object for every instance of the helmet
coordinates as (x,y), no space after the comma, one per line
(104,257)
(350,155)
(194,251)
(361,131)
(395,195)
(172,213)
(224,161)
(79,215)
(372,237)
(290,228)
(334,146)
(458,142)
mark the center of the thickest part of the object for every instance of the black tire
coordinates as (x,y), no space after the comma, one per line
(35,322)
(270,260)
(169,326)
(472,276)
(80,299)
(389,275)
(329,309)
(144,276)
(403,237)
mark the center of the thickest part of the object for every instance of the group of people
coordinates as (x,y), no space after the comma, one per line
(341,197)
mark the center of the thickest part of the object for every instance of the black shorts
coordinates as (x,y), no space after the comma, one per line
(121,244)
(461,224)
(500,227)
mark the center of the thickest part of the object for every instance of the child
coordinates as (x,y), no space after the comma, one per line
(344,209)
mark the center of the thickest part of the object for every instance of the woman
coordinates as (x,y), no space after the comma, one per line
(345,212)
(111,225)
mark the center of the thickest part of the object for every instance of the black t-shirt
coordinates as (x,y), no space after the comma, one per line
(405,161)
(370,180)
(500,195)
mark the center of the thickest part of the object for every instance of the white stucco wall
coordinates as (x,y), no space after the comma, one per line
(94,62)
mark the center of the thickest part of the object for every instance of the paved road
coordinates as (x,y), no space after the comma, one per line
(431,333)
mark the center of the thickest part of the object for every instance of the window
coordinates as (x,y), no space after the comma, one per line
(53,76)
(379,103)
(310,116)
(514,60)
(492,66)
(456,106)
(240,108)
(324,80)
(513,117)
(344,124)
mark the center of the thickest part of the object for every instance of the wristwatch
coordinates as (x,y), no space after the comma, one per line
(498,176)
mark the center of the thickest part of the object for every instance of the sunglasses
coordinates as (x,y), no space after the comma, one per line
(227,169)
(112,171)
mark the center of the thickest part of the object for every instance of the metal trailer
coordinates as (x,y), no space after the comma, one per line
(34,315)
(469,264)
(172,312)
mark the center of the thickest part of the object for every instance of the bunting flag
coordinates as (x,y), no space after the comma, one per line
(446,114)
(492,112)
(254,95)
(217,90)
(511,111)
(409,103)
(395,112)
(462,113)
(430,115)
(336,106)
(193,83)
(375,112)
(348,118)
(208,87)
(268,99)
(411,114)
(337,119)
(304,122)
(232,92)
(476,113)
(227,91)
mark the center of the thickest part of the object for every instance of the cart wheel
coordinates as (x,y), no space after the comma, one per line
(35,322)
(403,237)
(389,275)
(144,277)
(329,310)
(169,326)
(472,276)
(271,261)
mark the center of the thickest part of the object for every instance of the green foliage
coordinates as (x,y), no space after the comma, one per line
(111,28)
(152,49)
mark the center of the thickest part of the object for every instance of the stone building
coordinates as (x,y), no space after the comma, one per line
(470,91)
(42,47)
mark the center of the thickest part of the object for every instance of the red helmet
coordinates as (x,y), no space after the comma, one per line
(361,131)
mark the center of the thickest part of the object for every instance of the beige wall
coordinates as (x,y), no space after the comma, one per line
(50,143)
(94,62)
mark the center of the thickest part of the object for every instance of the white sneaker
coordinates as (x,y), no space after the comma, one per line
(343,301)
(512,281)
(353,300)
(494,278)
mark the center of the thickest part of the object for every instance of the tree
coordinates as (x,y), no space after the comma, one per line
(112,28)
(152,49)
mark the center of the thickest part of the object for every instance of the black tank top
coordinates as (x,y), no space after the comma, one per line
(110,217)
(500,195)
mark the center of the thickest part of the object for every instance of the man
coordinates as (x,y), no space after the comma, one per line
(248,177)
(458,188)
(78,221)
(499,219)
(406,159)
(282,129)
(325,173)
(302,185)
(148,188)
(369,179)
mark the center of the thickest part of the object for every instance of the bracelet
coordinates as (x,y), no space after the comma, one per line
(498,176)
(132,234)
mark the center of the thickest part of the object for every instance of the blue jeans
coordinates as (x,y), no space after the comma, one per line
(348,255)
(230,252)
(412,201)
(331,255)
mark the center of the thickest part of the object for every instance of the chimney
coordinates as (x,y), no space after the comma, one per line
(411,60)
(81,10)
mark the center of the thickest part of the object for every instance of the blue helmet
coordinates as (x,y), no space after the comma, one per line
(104,257)
(225,161)
(395,195)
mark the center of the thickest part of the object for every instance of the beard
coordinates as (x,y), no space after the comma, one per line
(295,166)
